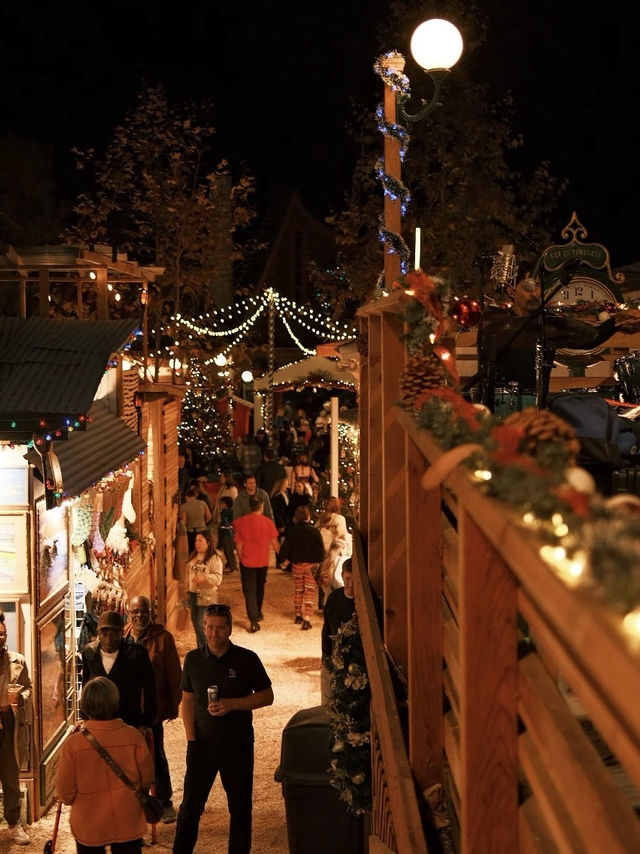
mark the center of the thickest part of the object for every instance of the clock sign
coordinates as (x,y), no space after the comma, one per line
(581,289)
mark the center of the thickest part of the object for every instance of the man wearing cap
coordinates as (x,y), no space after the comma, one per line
(165,661)
(125,664)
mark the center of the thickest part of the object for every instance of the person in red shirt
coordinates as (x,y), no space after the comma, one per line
(254,534)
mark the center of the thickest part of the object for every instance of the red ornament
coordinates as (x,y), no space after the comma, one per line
(466,311)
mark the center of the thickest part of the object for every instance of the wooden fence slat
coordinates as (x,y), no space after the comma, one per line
(583,783)
(374,474)
(488,709)
(534,835)
(424,626)
(549,801)
(623,744)
(394,495)
(400,784)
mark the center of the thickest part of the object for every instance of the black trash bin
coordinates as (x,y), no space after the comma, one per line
(317,820)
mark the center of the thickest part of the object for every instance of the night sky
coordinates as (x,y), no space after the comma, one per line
(280,76)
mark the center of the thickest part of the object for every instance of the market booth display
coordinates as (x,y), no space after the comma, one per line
(77,525)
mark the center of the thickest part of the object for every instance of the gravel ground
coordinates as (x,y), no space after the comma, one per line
(292,660)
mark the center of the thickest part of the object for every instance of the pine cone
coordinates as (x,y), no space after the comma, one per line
(543,426)
(422,372)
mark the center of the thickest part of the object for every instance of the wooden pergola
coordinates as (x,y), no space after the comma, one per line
(88,268)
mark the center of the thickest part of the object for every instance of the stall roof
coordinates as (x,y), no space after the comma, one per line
(52,368)
(314,371)
(87,456)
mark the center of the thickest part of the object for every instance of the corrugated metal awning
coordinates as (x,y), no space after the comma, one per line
(86,457)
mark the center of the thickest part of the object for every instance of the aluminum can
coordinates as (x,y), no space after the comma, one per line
(212,693)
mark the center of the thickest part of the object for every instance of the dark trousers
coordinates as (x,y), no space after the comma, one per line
(162,779)
(254,579)
(234,761)
(228,546)
(132,847)
(9,773)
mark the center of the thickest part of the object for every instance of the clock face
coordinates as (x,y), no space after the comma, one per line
(582,289)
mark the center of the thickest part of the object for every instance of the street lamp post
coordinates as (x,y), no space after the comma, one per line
(436,46)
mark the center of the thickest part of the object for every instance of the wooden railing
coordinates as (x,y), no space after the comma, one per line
(523,695)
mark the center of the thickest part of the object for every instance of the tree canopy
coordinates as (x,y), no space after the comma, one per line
(160,193)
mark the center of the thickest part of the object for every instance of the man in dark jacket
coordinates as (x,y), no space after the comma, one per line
(127,665)
(165,661)
(269,471)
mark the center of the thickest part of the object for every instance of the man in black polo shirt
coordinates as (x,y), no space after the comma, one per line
(220,734)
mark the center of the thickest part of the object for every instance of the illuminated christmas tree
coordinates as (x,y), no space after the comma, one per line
(206,424)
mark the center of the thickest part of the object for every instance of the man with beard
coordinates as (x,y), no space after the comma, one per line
(165,661)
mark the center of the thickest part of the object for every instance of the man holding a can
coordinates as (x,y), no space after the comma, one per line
(221,686)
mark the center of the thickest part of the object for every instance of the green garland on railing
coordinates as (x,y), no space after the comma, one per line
(527,461)
(349,712)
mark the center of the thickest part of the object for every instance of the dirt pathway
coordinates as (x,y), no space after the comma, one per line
(292,659)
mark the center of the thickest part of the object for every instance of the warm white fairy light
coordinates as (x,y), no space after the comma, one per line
(570,568)
(631,626)
(482,474)
(287,310)
(296,340)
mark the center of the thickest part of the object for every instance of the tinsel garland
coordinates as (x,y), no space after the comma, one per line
(396,244)
(399,82)
(349,714)
(393,188)
(394,130)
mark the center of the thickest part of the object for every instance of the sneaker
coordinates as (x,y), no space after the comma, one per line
(169,815)
(306,624)
(298,619)
(19,836)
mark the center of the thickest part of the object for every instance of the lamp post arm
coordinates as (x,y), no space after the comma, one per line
(438,76)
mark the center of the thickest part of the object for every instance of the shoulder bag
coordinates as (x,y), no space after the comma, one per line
(152,807)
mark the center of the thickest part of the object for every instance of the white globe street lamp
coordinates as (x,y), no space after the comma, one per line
(436,45)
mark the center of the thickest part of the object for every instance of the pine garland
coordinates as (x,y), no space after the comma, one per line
(349,713)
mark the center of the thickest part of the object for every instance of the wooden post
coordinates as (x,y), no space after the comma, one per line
(394,495)
(102,302)
(79,299)
(22,295)
(424,619)
(393,168)
(488,696)
(333,456)
(144,297)
(375,498)
(43,290)
(363,410)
